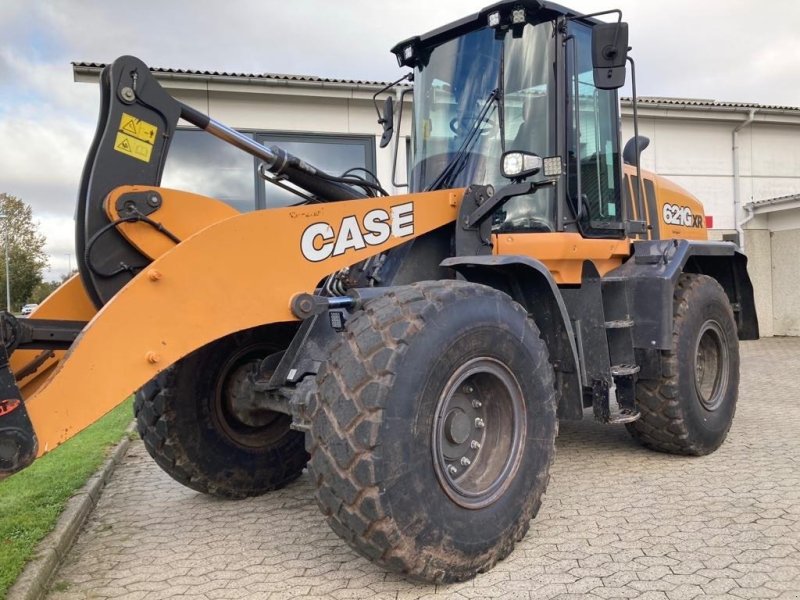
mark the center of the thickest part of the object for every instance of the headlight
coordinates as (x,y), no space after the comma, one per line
(517,165)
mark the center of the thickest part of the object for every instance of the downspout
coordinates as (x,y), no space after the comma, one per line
(737,200)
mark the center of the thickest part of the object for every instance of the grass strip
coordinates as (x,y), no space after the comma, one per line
(32,499)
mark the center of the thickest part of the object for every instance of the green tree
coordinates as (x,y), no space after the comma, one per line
(27,259)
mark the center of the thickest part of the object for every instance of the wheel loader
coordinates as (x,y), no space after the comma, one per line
(413,352)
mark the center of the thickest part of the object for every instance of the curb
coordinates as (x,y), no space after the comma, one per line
(33,583)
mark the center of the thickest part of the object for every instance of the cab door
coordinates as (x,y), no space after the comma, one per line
(593,158)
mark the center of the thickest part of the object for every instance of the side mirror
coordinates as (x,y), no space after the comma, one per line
(387,121)
(609,53)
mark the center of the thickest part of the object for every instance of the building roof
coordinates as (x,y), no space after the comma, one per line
(778,203)
(95,66)
(705,103)
(685,103)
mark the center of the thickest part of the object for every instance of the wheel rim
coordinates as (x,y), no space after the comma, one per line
(239,427)
(711,365)
(479,432)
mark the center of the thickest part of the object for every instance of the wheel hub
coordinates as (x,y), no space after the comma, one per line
(479,432)
(233,413)
(711,365)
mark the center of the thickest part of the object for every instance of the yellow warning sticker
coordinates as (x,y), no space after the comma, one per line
(138,129)
(132,147)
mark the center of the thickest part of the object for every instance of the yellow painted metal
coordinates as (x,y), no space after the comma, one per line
(668,192)
(564,253)
(182,213)
(68,302)
(237,273)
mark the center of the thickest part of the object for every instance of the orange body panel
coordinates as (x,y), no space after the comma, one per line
(69,302)
(238,273)
(564,253)
(685,212)
(183,213)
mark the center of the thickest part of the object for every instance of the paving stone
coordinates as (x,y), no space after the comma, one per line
(618,522)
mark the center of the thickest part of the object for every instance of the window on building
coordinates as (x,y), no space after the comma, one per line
(334,154)
(200,163)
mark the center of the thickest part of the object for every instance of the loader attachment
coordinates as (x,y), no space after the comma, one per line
(167,272)
(237,273)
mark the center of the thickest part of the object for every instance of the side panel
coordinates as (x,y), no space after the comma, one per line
(530,283)
(563,254)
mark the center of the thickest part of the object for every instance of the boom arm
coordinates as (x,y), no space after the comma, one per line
(137,123)
(163,272)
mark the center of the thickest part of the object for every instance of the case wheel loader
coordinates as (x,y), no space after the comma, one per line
(415,352)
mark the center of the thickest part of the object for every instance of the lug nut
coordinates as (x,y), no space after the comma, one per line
(452,470)
(465,462)
(468,389)
(152,357)
(475,445)
(476,404)
(479,424)
(153,274)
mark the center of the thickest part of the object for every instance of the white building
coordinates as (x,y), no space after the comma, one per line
(741,160)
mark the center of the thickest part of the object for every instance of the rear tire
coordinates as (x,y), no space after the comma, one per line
(397,410)
(690,409)
(182,418)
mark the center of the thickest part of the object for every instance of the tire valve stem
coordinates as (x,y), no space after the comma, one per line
(479,424)
(475,445)
(452,470)
(465,462)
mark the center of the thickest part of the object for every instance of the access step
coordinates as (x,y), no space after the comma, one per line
(619,324)
(624,370)
(626,415)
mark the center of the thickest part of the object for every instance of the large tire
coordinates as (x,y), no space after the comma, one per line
(191,433)
(393,414)
(689,410)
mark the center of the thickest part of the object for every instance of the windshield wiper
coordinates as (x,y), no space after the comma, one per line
(459,160)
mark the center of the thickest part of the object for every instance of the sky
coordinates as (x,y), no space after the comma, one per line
(727,50)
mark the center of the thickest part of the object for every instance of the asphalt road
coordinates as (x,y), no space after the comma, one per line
(618,522)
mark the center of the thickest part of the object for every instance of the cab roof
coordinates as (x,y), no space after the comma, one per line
(535,11)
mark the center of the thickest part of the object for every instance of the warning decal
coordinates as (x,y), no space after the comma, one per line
(135,137)
(133,147)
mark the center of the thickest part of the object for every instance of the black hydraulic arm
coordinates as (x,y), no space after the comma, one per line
(136,125)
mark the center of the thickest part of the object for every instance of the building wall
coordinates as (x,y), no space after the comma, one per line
(313,110)
(696,152)
(785,278)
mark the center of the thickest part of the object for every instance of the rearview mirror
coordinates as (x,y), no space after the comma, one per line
(609,53)
(387,120)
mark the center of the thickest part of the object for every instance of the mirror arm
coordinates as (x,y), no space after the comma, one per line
(397,140)
(639,182)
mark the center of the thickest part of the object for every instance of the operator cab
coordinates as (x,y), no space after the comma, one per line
(519,76)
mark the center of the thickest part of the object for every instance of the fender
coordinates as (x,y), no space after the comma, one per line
(530,283)
(654,269)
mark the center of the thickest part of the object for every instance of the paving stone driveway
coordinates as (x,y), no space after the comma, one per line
(618,522)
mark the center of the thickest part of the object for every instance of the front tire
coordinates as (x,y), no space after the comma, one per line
(690,409)
(433,430)
(185,419)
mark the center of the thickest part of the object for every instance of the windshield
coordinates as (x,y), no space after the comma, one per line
(458,102)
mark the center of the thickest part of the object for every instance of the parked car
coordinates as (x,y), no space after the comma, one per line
(28,309)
